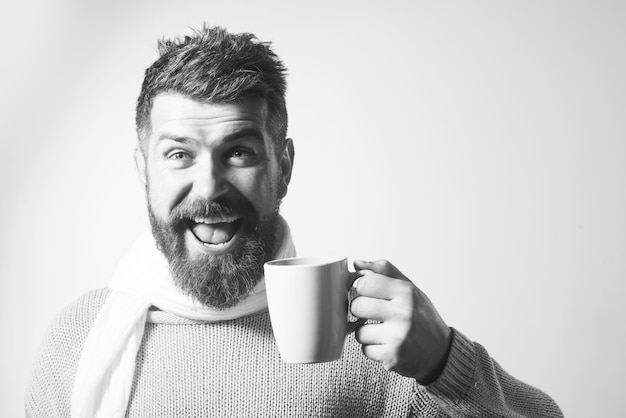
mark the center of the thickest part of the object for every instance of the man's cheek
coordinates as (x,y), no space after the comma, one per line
(160,206)
(265,199)
(165,193)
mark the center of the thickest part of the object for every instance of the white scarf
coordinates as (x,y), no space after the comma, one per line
(107,365)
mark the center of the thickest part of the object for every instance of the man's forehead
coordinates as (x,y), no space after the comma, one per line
(168,107)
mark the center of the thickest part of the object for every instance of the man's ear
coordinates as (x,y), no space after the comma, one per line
(140,163)
(286,166)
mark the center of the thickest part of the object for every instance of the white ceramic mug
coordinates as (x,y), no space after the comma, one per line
(308,305)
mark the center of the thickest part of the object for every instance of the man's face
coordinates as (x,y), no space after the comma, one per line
(213,184)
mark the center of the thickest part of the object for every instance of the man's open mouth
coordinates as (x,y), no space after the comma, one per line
(215,231)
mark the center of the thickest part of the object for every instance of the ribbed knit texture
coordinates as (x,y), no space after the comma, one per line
(189,368)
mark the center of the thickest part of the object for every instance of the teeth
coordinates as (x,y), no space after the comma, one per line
(210,221)
(221,244)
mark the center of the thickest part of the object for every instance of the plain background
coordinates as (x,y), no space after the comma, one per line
(478,145)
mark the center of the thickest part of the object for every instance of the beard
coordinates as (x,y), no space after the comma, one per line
(216,280)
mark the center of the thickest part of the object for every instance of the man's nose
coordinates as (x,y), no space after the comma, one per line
(209,181)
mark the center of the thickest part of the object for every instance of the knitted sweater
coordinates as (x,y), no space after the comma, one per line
(189,368)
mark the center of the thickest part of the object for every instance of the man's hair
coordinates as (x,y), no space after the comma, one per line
(215,66)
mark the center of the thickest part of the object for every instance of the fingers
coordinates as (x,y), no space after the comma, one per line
(380,286)
(382,291)
(378,344)
(381,354)
(370,308)
(372,334)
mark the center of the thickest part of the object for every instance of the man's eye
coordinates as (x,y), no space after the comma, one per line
(178,155)
(241,156)
(241,153)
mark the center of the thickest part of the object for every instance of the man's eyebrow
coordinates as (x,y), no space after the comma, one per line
(255,133)
(174,137)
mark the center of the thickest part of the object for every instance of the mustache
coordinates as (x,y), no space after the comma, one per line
(203,208)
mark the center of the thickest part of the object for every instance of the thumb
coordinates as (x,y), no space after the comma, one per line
(363,265)
(383,267)
(362,268)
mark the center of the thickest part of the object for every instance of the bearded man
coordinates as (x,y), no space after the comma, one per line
(182,329)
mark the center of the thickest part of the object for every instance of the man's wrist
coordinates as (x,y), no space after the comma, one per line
(440,360)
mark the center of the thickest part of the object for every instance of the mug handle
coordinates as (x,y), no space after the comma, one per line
(353,325)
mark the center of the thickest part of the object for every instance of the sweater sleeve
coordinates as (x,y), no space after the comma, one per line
(472,384)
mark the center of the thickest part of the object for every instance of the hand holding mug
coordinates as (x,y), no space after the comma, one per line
(408,336)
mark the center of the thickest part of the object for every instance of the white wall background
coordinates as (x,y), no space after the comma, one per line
(480,146)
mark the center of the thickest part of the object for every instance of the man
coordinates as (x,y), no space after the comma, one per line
(182,328)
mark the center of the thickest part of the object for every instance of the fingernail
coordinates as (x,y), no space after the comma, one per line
(356,282)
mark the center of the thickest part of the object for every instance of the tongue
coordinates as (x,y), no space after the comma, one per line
(214,233)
